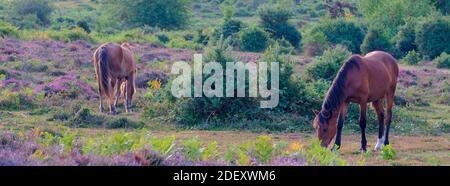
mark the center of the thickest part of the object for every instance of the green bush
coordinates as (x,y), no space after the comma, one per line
(412,58)
(9,30)
(341,31)
(390,15)
(122,123)
(167,14)
(21,100)
(274,19)
(75,35)
(327,66)
(42,9)
(375,40)
(405,40)
(432,36)
(443,61)
(195,110)
(315,43)
(253,39)
(230,27)
(83,118)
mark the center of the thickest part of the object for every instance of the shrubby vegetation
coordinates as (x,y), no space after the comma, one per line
(274,19)
(168,14)
(375,40)
(337,31)
(443,61)
(253,39)
(431,36)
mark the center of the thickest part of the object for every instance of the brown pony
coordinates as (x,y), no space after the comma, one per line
(114,64)
(360,80)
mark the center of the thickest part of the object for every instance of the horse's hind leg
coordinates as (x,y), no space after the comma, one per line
(378,106)
(389,106)
(129,93)
(118,92)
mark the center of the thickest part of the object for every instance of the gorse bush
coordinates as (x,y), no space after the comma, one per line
(253,39)
(327,65)
(432,36)
(443,61)
(340,31)
(199,109)
(405,40)
(375,40)
(412,58)
(274,19)
(9,30)
(390,15)
(41,9)
(167,14)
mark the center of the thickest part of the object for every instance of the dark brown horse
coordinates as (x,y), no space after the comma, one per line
(114,64)
(360,80)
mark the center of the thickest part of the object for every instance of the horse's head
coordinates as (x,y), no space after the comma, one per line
(325,126)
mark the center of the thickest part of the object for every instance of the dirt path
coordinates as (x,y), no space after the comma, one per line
(411,150)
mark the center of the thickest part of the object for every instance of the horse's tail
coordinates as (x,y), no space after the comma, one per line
(104,69)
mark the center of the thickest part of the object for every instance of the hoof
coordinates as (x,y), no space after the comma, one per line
(363,150)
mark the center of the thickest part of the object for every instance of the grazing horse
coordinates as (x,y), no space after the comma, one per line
(361,80)
(114,65)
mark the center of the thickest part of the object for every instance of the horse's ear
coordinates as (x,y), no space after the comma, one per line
(316,112)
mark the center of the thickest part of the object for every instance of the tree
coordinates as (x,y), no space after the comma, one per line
(336,9)
(167,14)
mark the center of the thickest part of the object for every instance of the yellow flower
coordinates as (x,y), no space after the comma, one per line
(155,84)
(295,146)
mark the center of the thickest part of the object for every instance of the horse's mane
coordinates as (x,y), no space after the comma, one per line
(335,96)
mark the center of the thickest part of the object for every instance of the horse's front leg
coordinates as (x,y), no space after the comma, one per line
(362,125)
(129,93)
(340,125)
(112,107)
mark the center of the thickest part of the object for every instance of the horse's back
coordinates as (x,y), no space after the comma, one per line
(383,60)
(383,72)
